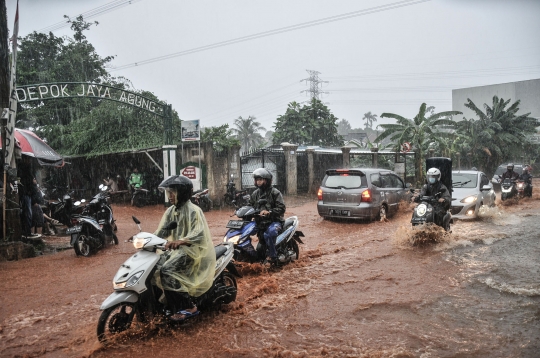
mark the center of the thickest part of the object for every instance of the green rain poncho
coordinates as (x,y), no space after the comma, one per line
(189,268)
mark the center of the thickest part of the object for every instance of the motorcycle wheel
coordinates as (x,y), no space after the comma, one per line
(228,200)
(81,247)
(294,246)
(230,281)
(503,196)
(114,320)
(113,240)
(206,205)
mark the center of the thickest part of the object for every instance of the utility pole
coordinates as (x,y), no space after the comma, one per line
(314,84)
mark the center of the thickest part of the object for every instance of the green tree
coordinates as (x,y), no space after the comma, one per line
(343,127)
(247,132)
(369,118)
(46,58)
(221,137)
(498,134)
(311,124)
(419,131)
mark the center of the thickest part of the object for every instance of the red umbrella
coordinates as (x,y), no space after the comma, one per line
(34,146)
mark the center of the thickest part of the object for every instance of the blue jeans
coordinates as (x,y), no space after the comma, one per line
(270,235)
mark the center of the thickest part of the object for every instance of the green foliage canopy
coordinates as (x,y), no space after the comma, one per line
(312,124)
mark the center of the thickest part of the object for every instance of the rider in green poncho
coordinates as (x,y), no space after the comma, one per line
(187,268)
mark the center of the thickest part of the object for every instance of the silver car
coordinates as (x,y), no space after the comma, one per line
(471,190)
(361,193)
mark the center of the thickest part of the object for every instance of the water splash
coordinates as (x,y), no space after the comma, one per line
(504,287)
(420,236)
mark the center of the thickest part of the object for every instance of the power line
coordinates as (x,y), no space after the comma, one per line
(281,30)
(100,10)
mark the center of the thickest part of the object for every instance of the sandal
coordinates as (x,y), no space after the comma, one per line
(181,316)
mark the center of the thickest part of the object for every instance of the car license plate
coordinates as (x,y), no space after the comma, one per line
(235,224)
(74,229)
(340,212)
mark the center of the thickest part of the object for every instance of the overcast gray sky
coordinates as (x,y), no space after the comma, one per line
(377,55)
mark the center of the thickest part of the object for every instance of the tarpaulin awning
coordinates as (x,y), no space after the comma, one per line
(34,146)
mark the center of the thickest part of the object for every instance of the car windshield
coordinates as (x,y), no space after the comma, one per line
(345,181)
(463,180)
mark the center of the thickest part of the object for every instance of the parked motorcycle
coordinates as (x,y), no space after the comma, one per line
(241,231)
(140,197)
(233,196)
(508,189)
(94,228)
(135,296)
(201,199)
(62,209)
(524,188)
(424,213)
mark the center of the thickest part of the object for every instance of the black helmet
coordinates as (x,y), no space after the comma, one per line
(182,187)
(262,173)
(510,166)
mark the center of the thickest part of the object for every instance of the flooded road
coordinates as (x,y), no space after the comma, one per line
(359,289)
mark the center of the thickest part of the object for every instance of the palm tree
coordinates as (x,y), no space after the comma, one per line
(419,131)
(247,132)
(498,134)
(369,118)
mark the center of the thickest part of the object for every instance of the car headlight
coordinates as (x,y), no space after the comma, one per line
(139,242)
(233,239)
(469,199)
(421,209)
(129,282)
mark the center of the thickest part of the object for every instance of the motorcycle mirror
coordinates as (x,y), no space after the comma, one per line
(136,220)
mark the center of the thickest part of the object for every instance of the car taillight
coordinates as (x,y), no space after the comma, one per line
(319,194)
(366,196)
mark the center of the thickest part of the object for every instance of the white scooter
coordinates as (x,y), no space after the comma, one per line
(134,294)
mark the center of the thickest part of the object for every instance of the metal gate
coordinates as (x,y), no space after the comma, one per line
(273,160)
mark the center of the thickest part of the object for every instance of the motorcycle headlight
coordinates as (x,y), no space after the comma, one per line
(421,210)
(520,185)
(140,242)
(129,282)
(233,239)
(469,199)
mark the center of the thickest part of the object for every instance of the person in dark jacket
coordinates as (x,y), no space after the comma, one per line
(271,212)
(510,173)
(435,187)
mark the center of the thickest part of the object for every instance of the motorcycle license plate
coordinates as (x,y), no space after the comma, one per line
(235,224)
(74,229)
(340,212)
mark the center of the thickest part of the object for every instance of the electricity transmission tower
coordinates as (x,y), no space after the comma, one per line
(314,83)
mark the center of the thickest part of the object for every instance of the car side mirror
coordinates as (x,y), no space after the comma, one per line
(408,185)
(486,188)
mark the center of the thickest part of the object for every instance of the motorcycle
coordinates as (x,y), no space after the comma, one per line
(62,209)
(233,196)
(94,228)
(508,189)
(135,295)
(201,199)
(240,231)
(139,198)
(524,188)
(424,213)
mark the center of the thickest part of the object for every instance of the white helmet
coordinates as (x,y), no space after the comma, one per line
(433,175)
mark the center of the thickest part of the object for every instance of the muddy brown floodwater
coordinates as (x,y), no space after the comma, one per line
(358,290)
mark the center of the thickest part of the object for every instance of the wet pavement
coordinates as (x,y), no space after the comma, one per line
(358,290)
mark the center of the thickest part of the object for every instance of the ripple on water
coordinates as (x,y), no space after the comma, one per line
(505,287)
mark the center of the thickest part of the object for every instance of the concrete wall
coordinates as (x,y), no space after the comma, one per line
(528,92)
